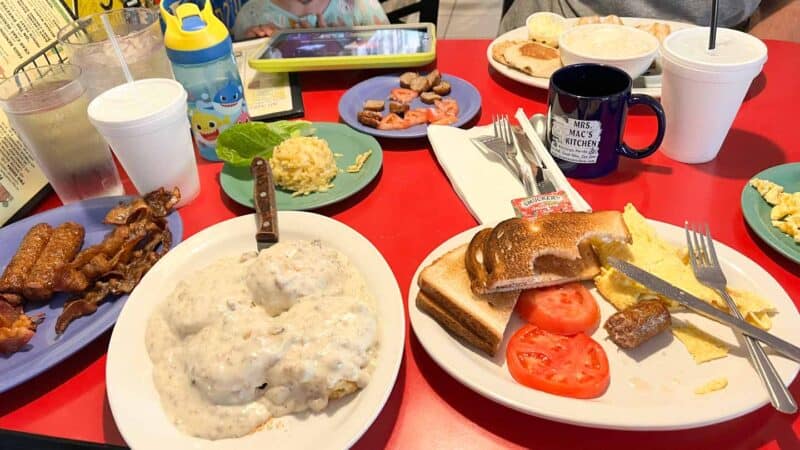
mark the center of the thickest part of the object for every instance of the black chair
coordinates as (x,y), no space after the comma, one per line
(428,11)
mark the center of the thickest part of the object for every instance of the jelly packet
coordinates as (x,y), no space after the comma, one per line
(541,204)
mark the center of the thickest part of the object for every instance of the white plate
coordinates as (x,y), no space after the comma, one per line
(133,397)
(651,388)
(649,83)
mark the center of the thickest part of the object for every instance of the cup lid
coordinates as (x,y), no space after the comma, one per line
(131,104)
(734,50)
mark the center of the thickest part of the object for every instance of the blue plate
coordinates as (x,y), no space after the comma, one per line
(46,348)
(378,88)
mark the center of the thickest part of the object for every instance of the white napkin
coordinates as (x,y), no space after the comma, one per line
(479,178)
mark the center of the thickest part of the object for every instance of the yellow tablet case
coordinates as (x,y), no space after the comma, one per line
(352,62)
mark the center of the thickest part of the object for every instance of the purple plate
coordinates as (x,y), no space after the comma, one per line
(352,102)
(46,349)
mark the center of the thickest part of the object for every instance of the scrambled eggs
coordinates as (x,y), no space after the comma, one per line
(785,214)
(361,158)
(670,263)
(702,346)
(303,165)
(714,385)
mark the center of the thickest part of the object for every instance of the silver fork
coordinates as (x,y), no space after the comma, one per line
(502,129)
(708,272)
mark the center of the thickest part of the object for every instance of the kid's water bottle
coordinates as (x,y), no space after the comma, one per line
(200,49)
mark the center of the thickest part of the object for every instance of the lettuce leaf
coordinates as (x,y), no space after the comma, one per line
(242,142)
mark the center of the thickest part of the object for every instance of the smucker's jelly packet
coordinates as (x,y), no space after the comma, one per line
(541,204)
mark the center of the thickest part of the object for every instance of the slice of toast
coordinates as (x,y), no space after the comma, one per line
(445,295)
(551,249)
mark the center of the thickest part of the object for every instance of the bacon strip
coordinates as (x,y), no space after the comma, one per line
(16,329)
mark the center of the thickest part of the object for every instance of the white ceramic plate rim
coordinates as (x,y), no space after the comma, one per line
(447,352)
(133,399)
(544,83)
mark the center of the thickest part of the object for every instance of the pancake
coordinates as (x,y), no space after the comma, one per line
(535,59)
(499,48)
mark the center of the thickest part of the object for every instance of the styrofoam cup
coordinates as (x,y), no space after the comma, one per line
(147,127)
(702,90)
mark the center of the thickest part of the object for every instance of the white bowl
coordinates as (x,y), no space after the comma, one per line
(606,44)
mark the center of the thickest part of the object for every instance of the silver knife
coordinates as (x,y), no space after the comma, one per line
(543,184)
(666,289)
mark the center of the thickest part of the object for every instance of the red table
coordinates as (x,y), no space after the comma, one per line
(410,209)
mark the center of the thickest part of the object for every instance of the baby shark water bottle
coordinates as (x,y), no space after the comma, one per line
(200,49)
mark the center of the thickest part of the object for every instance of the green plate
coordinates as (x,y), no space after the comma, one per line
(756,210)
(238,183)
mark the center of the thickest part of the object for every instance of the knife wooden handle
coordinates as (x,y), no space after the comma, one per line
(264,200)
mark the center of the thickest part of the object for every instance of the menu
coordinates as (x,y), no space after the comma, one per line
(268,95)
(25,29)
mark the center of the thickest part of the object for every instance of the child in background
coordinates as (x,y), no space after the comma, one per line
(259,18)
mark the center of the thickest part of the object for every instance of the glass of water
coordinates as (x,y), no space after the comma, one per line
(47,107)
(139,34)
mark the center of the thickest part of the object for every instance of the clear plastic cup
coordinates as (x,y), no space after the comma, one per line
(145,123)
(139,34)
(46,106)
(703,89)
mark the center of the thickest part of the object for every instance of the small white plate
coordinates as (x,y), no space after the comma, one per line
(133,397)
(652,388)
(649,83)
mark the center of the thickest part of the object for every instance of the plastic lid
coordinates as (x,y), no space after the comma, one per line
(733,51)
(136,103)
(191,29)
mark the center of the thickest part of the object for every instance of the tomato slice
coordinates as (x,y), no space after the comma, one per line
(416,116)
(393,122)
(447,106)
(570,366)
(403,95)
(566,309)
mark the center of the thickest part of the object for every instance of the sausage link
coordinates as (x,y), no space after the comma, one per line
(64,244)
(636,324)
(18,269)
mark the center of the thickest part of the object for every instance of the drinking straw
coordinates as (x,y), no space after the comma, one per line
(712,37)
(117,50)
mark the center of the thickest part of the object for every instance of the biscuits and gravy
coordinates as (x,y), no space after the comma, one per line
(262,335)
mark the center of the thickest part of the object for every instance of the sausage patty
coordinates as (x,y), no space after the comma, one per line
(63,245)
(17,270)
(636,324)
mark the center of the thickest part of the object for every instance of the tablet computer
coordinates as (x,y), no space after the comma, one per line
(369,47)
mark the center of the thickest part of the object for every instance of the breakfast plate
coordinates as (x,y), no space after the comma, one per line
(46,348)
(237,182)
(132,393)
(649,83)
(352,102)
(652,387)
(757,211)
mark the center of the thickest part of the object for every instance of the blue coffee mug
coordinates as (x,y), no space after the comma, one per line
(587,108)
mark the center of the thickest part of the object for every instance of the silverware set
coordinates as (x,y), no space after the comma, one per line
(506,143)
(708,272)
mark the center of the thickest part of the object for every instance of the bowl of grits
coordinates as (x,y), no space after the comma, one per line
(626,48)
